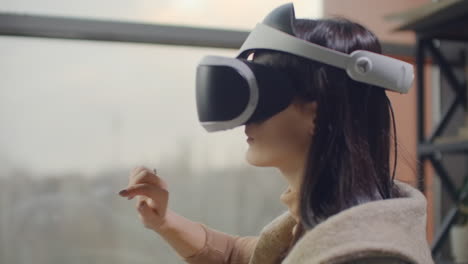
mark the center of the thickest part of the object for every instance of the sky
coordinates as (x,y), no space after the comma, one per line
(87,106)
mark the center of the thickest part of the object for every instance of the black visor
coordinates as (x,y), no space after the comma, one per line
(232,92)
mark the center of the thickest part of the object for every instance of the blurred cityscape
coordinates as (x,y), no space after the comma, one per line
(69,218)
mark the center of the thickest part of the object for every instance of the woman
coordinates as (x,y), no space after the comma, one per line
(332,144)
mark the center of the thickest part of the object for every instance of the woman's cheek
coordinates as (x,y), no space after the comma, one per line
(256,154)
(263,154)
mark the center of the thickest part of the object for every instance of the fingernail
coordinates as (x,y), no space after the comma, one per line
(123,192)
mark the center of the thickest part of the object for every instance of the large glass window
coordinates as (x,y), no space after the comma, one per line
(240,14)
(77,116)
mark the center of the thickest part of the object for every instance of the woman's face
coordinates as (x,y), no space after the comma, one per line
(283,139)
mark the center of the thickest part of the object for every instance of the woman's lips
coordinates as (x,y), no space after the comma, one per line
(250,140)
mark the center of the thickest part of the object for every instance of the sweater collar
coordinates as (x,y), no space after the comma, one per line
(290,197)
(392,227)
(384,228)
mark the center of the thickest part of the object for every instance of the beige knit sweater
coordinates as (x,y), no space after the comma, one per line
(386,231)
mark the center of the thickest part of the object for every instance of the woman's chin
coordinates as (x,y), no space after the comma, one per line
(256,159)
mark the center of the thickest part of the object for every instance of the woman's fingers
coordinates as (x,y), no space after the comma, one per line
(158,195)
(151,203)
(152,196)
(143,199)
(149,217)
(140,200)
(136,170)
(144,175)
(145,189)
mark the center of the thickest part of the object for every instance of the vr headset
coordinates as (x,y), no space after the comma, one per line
(231,92)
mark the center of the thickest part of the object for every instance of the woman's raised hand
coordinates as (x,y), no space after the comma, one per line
(153,196)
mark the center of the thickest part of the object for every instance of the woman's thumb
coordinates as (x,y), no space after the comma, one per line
(147,215)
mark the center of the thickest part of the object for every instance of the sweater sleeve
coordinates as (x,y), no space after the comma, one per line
(222,248)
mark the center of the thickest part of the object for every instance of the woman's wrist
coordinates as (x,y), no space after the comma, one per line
(185,236)
(168,224)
